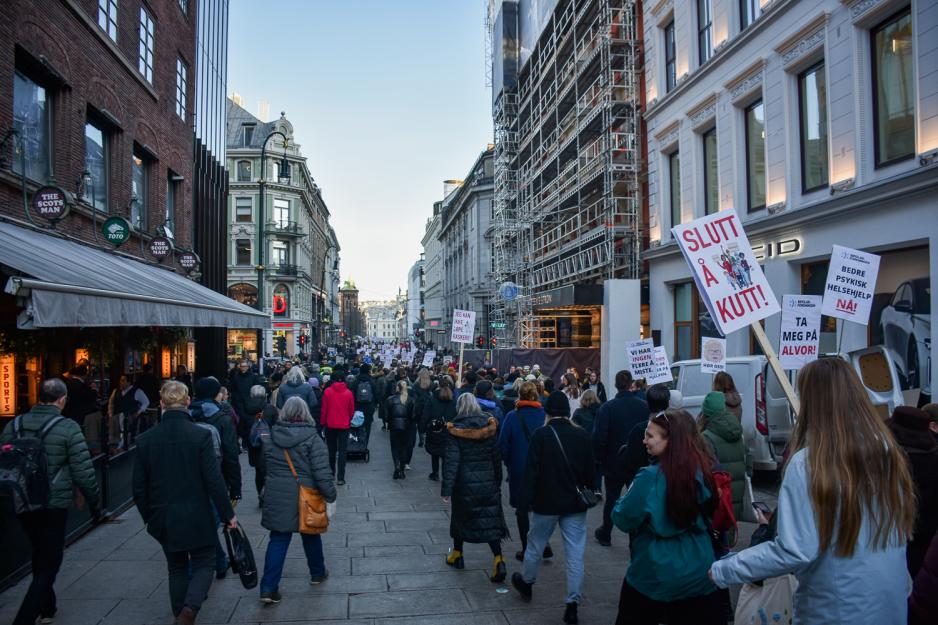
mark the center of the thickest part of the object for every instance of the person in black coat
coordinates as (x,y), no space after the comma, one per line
(422,390)
(559,465)
(240,381)
(585,417)
(403,425)
(592,382)
(614,423)
(258,408)
(176,480)
(365,392)
(633,456)
(439,410)
(472,481)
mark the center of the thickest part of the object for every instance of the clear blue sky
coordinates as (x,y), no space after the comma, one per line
(387,99)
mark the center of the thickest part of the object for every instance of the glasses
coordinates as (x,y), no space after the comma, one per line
(664,416)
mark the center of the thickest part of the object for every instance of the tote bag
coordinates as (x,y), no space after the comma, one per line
(769,603)
(312,507)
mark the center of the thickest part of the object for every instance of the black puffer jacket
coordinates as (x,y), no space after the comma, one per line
(472,476)
(420,397)
(437,410)
(400,414)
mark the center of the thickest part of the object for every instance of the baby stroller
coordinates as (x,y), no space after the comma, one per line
(358,438)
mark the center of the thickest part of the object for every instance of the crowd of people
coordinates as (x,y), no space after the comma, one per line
(855,524)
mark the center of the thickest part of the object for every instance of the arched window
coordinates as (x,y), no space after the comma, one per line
(281,301)
(244,171)
(243,293)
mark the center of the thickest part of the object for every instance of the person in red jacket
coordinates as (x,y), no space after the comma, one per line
(338,406)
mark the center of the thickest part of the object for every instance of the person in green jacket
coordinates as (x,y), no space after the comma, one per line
(663,513)
(723,432)
(69,465)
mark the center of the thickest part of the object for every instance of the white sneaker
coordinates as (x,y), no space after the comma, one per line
(407,467)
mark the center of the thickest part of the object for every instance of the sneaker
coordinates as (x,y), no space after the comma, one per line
(499,571)
(270,597)
(186,616)
(340,483)
(523,588)
(569,614)
(47,619)
(548,553)
(455,560)
(407,467)
(315,581)
(602,538)
(435,477)
(519,555)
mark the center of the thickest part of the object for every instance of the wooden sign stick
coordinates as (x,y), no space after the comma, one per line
(769,352)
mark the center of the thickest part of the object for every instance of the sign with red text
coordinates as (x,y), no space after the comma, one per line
(662,374)
(464,323)
(712,354)
(801,330)
(641,358)
(728,277)
(851,279)
(7,385)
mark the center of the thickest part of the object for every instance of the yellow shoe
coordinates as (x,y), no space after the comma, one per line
(499,571)
(454,559)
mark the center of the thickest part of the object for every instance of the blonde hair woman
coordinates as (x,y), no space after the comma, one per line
(402,425)
(847,546)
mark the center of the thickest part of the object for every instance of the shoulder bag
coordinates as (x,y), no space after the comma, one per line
(313,517)
(587,496)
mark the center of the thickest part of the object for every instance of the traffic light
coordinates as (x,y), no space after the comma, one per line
(282,345)
(494,341)
(302,340)
(480,341)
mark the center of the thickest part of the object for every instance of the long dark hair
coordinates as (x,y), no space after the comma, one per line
(680,462)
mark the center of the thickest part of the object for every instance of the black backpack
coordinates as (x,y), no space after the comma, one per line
(364,393)
(24,469)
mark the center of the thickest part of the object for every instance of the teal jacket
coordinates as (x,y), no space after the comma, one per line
(667,563)
(69,463)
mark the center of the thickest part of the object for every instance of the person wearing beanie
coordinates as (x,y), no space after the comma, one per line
(485,395)
(559,464)
(911,427)
(722,431)
(365,391)
(337,409)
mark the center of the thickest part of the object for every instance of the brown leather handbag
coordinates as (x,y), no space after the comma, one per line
(312,506)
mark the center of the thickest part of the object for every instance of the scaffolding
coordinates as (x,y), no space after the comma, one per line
(567,203)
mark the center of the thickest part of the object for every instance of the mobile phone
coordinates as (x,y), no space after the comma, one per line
(761,507)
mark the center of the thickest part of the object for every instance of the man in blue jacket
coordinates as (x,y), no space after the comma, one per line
(614,422)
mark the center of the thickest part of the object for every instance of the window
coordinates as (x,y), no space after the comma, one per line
(279,253)
(96,164)
(282,212)
(31,119)
(755,156)
(248,135)
(674,173)
(243,253)
(172,192)
(704,30)
(182,88)
(145,62)
(244,171)
(139,189)
(243,293)
(711,173)
(670,57)
(107,17)
(691,321)
(749,11)
(893,89)
(243,208)
(812,113)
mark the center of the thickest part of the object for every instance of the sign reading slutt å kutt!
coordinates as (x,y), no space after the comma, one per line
(727,275)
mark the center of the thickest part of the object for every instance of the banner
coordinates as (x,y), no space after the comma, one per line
(464,323)
(641,358)
(428,358)
(712,354)
(851,280)
(801,330)
(729,279)
(662,374)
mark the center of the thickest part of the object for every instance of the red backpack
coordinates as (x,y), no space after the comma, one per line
(724,521)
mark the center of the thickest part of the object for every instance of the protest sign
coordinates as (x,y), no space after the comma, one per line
(662,374)
(641,358)
(712,354)
(729,279)
(428,358)
(447,360)
(801,329)
(851,279)
(464,323)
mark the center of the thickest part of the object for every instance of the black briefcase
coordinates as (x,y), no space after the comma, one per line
(241,556)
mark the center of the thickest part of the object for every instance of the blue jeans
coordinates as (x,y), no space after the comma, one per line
(573,532)
(277,553)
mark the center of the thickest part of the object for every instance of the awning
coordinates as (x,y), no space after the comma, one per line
(74,285)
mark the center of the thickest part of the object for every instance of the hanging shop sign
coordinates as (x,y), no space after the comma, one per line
(188,261)
(116,231)
(712,354)
(801,330)
(50,202)
(190,356)
(851,280)
(160,247)
(280,305)
(166,363)
(641,358)
(7,385)
(464,323)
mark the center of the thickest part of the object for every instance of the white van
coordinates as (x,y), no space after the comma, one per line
(767,416)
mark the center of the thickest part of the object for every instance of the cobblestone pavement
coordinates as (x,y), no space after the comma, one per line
(384,552)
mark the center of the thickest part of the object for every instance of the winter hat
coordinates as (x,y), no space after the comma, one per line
(557,405)
(910,418)
(314,382)
(676,401)
(482,388)
(530,377)
(365,368)
(713,404)
(207,388)
(338,374)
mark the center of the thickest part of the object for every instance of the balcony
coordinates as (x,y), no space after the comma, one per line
(284,270)
(285,228)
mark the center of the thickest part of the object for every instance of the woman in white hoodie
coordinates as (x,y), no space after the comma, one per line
(847,547)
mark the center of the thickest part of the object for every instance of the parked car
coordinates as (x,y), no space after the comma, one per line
(906,329)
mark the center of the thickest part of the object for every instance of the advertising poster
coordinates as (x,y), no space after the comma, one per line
(712,354)
(801,330)
(851,282)
(464,323)
(641,358)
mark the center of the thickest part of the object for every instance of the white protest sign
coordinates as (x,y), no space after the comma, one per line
(662,374)
(801,330)
(331,351)
(851,279)
(641,358)
(464,324)
(447,360)
(712,354)
(728,277)
(428,358)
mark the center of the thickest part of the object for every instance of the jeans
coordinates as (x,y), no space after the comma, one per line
(573,531)
(277,553)
(184,591)
(46,531)
(613,491)
(337,441)
(638,609)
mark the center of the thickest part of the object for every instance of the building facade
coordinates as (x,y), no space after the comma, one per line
(351,315)
(818,123)
(289,242)
(433,314)
(331,318)
(382,319)
(413,320)
(466,238)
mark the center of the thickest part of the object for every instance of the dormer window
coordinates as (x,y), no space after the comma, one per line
(248,135)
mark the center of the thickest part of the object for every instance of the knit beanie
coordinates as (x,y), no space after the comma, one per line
(365,368)
(207,388)
(482,388)
(714,404)
(557,405)
(911,418)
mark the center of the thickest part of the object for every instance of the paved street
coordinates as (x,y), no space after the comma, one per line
(384,552)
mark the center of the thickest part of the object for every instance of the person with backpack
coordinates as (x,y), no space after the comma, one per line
(722,431)
(363,388)
(338,407)
(44,456)
(264,415)
(402,424)
(666,514)
(438,412)
(178,487)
